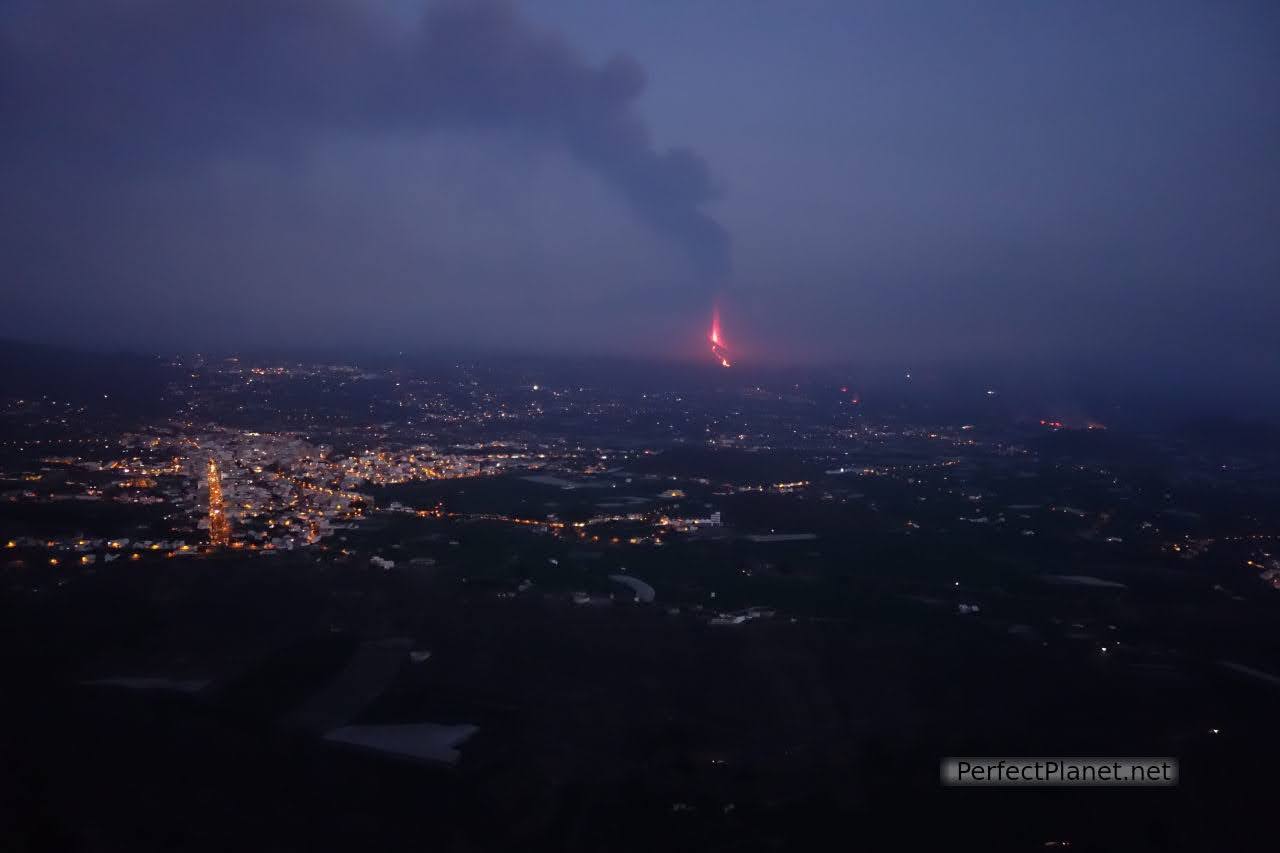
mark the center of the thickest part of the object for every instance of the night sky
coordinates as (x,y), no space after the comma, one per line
(892,182)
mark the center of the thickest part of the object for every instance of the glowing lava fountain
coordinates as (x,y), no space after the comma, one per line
(718,348)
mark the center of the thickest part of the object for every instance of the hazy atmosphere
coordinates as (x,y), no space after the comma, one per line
(619,426)
(883,182)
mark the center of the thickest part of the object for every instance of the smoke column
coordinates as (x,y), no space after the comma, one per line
(127,86)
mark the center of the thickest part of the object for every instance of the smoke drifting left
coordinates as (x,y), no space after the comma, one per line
(127,86)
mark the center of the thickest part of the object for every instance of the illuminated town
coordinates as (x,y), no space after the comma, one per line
(599,426)
(219,524)
(761,533)
(318,479)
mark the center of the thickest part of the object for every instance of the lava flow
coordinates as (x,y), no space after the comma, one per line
(718,348)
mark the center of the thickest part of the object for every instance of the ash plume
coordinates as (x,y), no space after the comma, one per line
(121,86)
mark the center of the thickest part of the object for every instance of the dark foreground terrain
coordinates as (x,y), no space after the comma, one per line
(735,614)
(610,727)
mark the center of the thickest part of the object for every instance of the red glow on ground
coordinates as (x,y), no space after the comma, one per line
(1072,425)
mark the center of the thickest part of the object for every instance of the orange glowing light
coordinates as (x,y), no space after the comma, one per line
(718,348)
(219,525)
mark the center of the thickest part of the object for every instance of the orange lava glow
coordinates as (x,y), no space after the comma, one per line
(718,348)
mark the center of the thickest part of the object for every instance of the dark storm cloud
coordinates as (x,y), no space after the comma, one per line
(113,88)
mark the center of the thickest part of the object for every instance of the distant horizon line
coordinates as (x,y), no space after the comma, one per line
(695,358)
